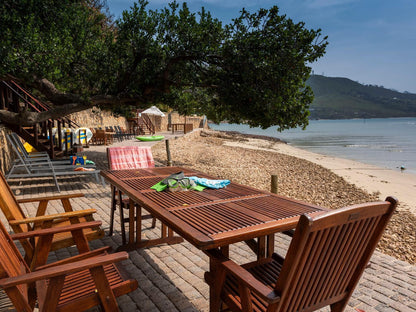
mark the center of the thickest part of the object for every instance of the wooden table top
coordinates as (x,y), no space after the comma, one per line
(211,218)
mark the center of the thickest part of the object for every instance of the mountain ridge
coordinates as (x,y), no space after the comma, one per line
(343,98)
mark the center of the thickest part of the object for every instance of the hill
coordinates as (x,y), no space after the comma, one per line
(341,98)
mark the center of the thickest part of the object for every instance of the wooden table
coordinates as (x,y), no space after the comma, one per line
(176,126)
(211,218)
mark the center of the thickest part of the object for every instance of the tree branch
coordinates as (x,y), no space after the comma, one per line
(57,97)
(28,118)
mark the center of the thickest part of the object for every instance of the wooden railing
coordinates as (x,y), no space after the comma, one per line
(15,98)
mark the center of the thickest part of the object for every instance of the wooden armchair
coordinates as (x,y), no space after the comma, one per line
(20,223)
(324,262)
(74,284)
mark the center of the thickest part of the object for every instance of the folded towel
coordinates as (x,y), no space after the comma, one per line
(215,184)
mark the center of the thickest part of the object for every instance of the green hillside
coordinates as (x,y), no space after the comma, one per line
(340,98)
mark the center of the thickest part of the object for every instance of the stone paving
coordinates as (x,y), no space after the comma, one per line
(171,276)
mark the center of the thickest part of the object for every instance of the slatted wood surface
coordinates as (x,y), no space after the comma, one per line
(210,218)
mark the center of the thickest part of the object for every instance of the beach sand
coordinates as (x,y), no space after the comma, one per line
(319,179)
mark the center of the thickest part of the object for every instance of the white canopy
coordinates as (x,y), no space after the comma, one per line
(153,111)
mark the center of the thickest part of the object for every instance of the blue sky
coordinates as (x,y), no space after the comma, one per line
(370,41)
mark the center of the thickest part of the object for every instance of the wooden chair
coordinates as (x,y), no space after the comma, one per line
(324,262)
(20,223)
(126,157)
(74,284)
(99,137)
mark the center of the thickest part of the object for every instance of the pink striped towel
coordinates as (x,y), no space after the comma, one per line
(130,157)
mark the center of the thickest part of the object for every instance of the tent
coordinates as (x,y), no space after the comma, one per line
(153,111)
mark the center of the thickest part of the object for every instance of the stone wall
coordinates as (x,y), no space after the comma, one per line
(6,152)
(95,117)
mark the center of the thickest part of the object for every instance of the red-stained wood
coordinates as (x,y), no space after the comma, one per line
(74,284)
(20,223)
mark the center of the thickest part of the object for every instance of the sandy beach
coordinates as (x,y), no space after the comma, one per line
(319,179)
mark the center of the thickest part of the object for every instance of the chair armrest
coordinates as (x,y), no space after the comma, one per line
(244,277)
(86,255)
(63,269)
(63,215)
(56,230)
(57,197)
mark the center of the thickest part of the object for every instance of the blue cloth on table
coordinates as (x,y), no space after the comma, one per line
(215,184)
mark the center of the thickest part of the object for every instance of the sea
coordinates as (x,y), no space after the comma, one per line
(385,142)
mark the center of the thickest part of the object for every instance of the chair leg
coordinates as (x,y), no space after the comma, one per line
(123,227)
(153,222)
(339,306)
(113,208)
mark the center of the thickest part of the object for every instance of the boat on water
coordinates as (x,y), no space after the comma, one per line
(150,138)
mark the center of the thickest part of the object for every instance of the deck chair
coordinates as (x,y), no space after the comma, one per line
(20,149)
(126,157)
(324,262)
(20,223)
(43,166)
(74,284)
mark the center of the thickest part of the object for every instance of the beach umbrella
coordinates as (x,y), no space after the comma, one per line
(153,111)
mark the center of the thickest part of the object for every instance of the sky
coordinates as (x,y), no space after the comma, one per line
(370,41)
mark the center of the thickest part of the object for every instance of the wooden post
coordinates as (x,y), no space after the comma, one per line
(169,162)
(274,183)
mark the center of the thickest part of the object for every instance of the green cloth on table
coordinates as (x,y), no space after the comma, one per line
(159,186)
(162,186)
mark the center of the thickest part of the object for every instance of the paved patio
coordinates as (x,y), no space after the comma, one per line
(171,276)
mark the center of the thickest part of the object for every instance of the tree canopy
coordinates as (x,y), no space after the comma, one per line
(251,70)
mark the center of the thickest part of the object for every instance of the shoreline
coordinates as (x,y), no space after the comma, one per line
(382,181)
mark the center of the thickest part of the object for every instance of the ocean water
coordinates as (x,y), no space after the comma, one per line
(384,142)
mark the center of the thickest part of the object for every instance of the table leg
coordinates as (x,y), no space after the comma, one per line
(270,245)
(138,224)
(163,231)
(261,247)
(167,235)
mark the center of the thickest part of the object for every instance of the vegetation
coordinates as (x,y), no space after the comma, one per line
(253,69)
(341,98)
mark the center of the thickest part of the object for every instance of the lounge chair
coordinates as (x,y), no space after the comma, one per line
(20,223)
(74,284)
(42,166)
(126,157)
(20,150)
(323,264)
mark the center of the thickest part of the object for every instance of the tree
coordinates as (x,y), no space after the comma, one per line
(252,70)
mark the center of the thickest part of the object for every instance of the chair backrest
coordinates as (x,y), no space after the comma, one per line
(130,157)
(329,253)
(9,205)
(18,144)
(19,153)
